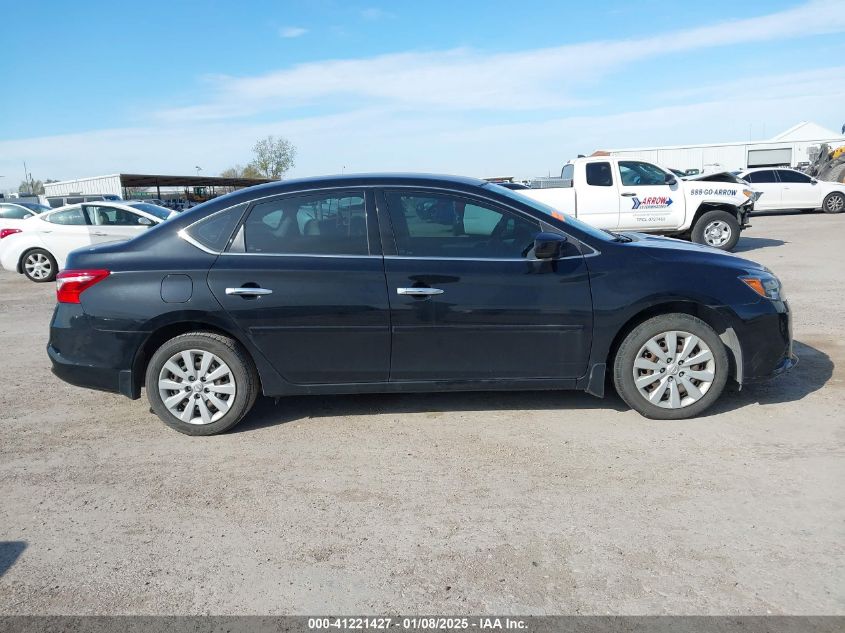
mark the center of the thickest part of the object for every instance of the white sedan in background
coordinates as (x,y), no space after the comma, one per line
(12,214)
(38,246)
(783,188)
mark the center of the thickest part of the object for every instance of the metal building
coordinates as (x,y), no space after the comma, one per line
(790,148)
(117,184)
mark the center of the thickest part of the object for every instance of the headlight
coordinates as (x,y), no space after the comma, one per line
(764,285)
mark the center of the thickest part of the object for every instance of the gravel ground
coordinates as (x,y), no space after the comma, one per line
(528,503)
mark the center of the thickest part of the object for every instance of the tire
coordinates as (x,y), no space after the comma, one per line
(834,202)
(230,394)
(718,229)
(680,401)
(39,265)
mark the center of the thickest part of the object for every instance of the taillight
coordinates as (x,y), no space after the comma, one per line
(8,232)
(72,283)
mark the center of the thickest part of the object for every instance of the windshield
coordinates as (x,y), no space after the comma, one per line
(553,213)
(34,206)
(153,209)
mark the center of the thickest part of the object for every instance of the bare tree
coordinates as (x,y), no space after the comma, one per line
(273,157)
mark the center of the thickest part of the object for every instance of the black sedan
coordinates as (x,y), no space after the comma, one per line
(341,285)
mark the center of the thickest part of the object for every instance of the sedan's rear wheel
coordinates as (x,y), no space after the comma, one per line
(671,367)
(201,383)
(39,265)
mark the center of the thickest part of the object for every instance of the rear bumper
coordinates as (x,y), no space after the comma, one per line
(87,357)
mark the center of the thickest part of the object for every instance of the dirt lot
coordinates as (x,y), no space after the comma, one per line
(537,503)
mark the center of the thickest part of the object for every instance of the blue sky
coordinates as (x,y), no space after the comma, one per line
(478,88)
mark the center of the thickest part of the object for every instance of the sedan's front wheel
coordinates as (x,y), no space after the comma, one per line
(201,383)
(834,203)
(671,367)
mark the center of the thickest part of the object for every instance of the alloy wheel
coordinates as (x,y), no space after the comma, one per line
(674,369)
(38,266)
(835,204)
(196,386)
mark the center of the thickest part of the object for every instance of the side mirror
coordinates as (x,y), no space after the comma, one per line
(814,181)
(548,245)
(671,180)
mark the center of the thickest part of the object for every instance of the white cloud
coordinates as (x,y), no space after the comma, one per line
(292,31)
(465,79)
(375,13)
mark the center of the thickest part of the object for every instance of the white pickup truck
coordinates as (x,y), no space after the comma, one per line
(623,194)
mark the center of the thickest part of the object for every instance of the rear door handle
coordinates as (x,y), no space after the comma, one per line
(100,233)
(629,195)
(419,292)
(248,292)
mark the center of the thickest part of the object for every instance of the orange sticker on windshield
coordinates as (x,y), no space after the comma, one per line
(557,215)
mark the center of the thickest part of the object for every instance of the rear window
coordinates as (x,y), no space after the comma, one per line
(215,231)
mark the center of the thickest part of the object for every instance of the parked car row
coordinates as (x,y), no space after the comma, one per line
(37,245)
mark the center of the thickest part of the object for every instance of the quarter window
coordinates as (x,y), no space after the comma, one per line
(215,231)
(68,217)
(599,175)
(635,173)
(441,225)
(333,224)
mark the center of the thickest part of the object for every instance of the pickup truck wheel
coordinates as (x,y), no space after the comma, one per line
(834,203)
(671,367)
(718,229)
(201,383)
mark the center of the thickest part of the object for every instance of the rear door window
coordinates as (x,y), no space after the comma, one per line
(68,217)
(760,177)
(316,224)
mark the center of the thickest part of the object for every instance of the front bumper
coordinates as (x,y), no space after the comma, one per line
(765,334)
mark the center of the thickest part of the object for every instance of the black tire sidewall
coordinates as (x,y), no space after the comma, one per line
(828,197)
(228,350)
(54,266)
(711,216)
(623,376)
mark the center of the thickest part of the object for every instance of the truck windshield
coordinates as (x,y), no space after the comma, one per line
(555,214)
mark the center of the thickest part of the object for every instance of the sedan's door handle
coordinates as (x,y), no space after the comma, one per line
(419,292)
(100,233)
(629,195)
(248,292)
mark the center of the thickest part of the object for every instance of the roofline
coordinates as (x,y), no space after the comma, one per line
(731,144)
